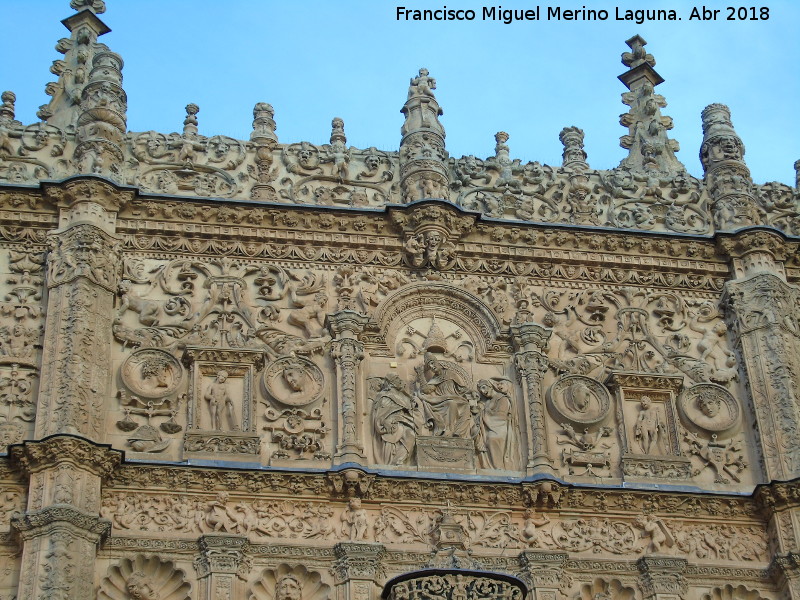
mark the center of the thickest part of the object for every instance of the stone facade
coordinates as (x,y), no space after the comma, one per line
(273,370)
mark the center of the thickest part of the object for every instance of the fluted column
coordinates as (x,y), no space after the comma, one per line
(531,363)
(222,566)
(764,320)
(348,353)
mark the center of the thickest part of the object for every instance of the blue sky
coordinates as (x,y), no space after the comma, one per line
(316,60)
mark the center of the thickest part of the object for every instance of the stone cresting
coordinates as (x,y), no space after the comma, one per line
(216,383)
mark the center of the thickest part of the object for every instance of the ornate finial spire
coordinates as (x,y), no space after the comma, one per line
(574,156)
(265,139)
(337,131)
(650,147)
(263,123)
(103,122)
(190,122)
(7,123)
(7,108)
(727,175)
(422,149)
(79,49)
(797,175)
(638,55)
(98,7)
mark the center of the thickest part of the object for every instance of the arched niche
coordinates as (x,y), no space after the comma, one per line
(439,300)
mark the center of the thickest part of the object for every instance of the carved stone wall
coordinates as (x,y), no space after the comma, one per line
(217,383)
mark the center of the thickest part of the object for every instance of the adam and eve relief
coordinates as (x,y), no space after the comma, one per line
(442,401)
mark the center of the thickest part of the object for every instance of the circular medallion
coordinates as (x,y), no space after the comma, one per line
(710,407)
(152,373)
(293,381)
(579,400)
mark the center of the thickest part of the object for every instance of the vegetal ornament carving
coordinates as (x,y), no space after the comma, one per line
(297,433)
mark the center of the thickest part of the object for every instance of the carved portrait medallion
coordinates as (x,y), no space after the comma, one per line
(579,400)
(710,407)
(152,373)
(293,381)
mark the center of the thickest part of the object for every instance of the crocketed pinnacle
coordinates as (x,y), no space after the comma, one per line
(650,148)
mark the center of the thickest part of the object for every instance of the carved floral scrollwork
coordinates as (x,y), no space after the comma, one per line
(145,578)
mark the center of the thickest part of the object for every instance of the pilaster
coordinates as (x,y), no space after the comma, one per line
(348,352)
(222,566)
(785,571)
(358,570)
(60,529)
(83,272)
(530,359)
(767,333)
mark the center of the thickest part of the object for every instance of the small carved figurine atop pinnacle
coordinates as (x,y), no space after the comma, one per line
(422,85)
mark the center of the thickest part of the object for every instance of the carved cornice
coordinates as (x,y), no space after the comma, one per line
(88,188)
(41,522)
(645,380)
(778,495)
(544,494)
(35,456)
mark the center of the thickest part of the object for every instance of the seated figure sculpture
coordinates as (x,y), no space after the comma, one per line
(444,391)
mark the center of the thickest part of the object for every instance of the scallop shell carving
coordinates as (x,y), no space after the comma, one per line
(165,582)
(311,584)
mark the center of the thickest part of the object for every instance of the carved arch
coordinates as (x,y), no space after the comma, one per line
(729,592)
(441,300)
(602,589)
(311,585)
(168,582)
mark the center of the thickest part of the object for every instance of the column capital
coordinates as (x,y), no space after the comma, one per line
(223,554)
(54,450)
(61,517)
(662,577)
(346,323)
(359,561)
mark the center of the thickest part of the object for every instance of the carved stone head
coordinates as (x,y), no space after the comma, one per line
(288,588)
(140,587)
